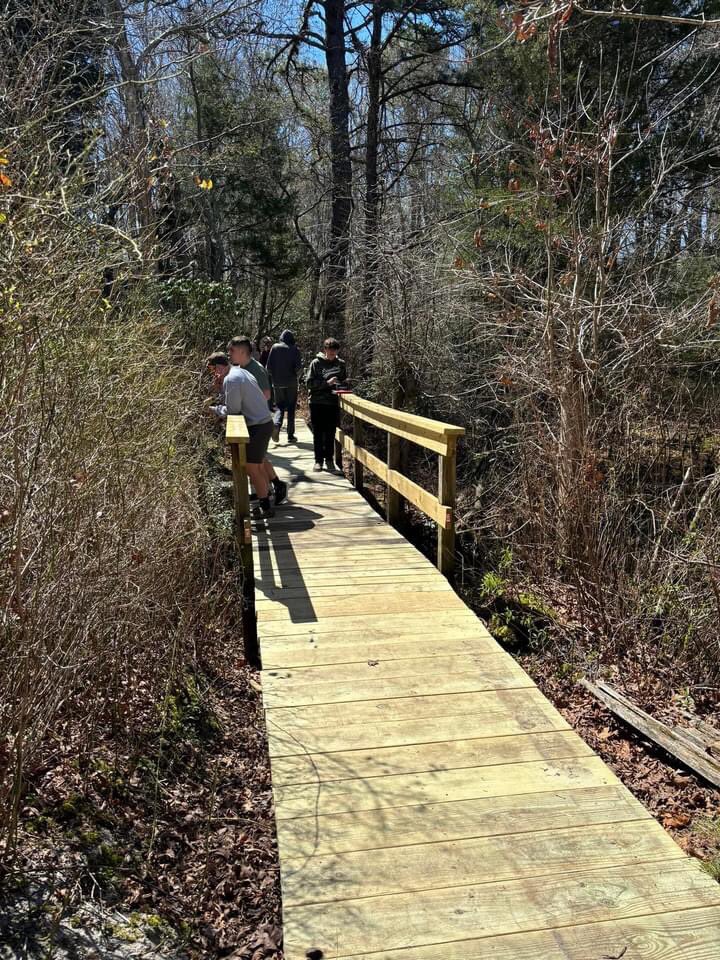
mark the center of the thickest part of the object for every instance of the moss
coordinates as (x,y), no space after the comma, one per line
(187,714)
(125,932)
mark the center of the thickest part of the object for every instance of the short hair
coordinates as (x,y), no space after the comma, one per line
(245,342)
(331,343)
(218,359)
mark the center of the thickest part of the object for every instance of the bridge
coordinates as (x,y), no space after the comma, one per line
(431,804)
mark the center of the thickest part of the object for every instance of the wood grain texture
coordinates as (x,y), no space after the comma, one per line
(431,804)
(377,925)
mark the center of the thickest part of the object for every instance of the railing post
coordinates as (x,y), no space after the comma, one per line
(358,474)
(393,500)
(243,535)
(446,495)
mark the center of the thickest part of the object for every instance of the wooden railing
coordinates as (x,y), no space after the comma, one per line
(236,434)
(439,437)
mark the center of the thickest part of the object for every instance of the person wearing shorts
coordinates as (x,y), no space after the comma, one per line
(242,395)
(240,352)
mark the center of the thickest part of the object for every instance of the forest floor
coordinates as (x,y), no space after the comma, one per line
(164,847)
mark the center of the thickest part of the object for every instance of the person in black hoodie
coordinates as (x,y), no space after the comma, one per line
(283,365)
(326,373)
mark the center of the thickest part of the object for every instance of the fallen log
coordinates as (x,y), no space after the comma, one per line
(688,749)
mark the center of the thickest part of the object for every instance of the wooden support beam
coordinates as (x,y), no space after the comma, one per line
(675,740)
(358,474)
(446,495)
(393,500)
(237,436)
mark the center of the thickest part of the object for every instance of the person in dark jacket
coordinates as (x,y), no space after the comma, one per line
(283,365)
(326,372)
(266,346)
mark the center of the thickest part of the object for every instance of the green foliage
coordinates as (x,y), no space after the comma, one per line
(206,313)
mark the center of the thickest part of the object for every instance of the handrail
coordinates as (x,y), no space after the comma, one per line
(236,434)
(433,435)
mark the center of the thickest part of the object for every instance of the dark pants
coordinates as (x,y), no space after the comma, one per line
(325,419)
(286,399)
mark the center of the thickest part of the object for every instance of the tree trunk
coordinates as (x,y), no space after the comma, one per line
(341,189)
(372,193)
(137,120)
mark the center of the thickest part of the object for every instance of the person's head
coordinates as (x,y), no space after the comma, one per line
(240,350)
(266,343)
(331,347)
(218,365)
(288,337)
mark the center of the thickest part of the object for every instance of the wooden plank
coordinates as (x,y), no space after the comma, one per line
(236,430)
(424,757)
(375,873)
(369,671)
(347,577)
(671,739)
(375,625)
(291,732)
(376,925)
(298,591)
(399,679)
(352,606)
(689,934)
(456,820)
(310,541)
(396,550)
(326,650)
(501,780)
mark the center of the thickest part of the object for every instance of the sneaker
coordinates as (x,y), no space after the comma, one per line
(276,434)
(317,468)
(280,491)
(266,511)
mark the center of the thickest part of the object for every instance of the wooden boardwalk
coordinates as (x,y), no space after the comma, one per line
(431,804)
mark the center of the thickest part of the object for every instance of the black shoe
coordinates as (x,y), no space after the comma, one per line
(266,511)
(280,491)
(292,439)
(331,468)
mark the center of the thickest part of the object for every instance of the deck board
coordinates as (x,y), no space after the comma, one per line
(430,801)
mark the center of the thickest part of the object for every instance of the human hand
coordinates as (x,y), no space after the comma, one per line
(332,381)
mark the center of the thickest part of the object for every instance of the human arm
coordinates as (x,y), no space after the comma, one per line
(314,377)
(232,401)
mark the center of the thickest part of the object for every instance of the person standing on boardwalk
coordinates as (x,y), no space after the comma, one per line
(265,348)
(327,371)
(241,394)
(240,352)
(283,364)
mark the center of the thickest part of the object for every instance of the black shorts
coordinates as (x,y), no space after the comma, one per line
(260,434)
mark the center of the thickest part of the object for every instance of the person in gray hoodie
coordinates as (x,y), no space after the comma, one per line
(283,365)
